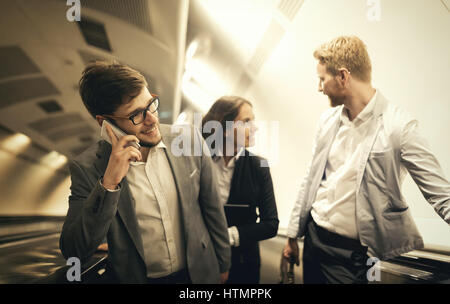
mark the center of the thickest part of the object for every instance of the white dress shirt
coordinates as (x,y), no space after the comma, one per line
(335,205)
(158,213)
(224,173)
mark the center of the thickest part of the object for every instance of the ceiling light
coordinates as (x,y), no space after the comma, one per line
(54,160)
(16,143)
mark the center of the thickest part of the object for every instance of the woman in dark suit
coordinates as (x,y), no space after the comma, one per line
(246,188)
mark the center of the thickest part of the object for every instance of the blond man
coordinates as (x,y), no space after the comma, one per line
(350,204)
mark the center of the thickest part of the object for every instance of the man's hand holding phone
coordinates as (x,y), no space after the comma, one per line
(122,154)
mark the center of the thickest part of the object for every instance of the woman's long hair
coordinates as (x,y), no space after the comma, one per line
(226,108)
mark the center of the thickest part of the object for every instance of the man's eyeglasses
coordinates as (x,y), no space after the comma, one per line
(139,117)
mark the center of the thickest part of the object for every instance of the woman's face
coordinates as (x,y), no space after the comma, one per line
(244,133)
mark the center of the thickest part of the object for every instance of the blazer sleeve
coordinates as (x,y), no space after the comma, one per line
(91,210)
(268,224)
(425,170)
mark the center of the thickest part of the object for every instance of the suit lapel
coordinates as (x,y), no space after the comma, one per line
(125,206)
(324,144)
(128,215)
(179,171)
(321,155)
(371,136)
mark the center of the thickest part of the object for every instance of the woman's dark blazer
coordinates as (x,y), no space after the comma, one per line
(251,184)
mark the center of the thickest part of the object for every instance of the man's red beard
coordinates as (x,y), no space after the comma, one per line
(336,101)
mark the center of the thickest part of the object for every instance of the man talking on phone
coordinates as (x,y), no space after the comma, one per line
(159,213)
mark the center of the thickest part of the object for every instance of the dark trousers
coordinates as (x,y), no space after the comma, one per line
(245,265)
(329,258)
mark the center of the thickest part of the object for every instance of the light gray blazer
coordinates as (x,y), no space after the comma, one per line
(391,148)
(95,213)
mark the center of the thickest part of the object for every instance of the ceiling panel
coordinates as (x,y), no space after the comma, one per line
(69,132)
(21,90)
(54,122)
(94,33)
(88,57)
(14,62)
(50,106)
(135,12)
(290,8)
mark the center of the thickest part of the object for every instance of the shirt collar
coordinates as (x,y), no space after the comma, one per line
(365,114)
(160,145)
(240,153)
(232,161)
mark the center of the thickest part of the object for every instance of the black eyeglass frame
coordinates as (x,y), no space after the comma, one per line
(144,112)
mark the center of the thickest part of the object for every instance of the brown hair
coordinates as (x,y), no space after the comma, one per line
(346,52)
(226,108)
(105,86)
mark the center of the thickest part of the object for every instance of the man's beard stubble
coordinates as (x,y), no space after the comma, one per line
(152,144)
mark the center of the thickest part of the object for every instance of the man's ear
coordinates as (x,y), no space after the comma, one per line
(343,76)
(99,119)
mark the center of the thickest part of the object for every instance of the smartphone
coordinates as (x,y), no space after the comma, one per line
(119,133)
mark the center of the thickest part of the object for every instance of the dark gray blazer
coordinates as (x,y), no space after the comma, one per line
(95,213)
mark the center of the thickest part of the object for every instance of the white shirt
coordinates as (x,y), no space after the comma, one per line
(335,205)
(158,213)
(224,173)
